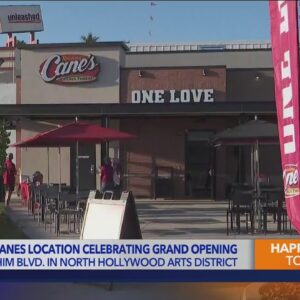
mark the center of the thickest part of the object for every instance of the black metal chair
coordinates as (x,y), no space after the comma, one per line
(270,205)
(50,207)
(69,212)
(283,220)
(240,204)
(38,198)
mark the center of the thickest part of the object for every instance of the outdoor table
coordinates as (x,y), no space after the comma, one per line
(270,189)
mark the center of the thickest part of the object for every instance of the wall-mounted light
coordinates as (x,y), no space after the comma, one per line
(204,72)
(257,77)
(141,74)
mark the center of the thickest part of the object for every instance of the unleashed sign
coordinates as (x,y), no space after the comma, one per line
(284,33)
(20,18)
(172,96)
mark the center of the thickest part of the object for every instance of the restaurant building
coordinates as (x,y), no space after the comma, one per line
(8,88)
(174,98)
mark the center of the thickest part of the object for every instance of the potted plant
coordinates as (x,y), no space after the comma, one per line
(4,142)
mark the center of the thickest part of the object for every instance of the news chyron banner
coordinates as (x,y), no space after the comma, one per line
(150,260)
(126,255)
(285,52)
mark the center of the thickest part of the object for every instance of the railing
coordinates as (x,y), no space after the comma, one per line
(198,47)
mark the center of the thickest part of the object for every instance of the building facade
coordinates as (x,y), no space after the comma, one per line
(8,88)
(174,98)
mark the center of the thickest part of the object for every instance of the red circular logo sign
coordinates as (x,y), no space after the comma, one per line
(70,68)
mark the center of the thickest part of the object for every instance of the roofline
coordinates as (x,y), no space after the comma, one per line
(139,110)
(199,46)
(70,45)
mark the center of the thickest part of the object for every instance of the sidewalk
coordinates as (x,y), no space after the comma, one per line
(32,229)
(159,219)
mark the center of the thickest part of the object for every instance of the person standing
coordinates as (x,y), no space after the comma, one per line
(106,176)
(117,177)
(9,178)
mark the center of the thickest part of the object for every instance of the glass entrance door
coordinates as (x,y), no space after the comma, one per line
(199,164)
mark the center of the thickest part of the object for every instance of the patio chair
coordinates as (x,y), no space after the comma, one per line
(271,205)
(69,212)
(240,204)
(38,198)
(50,209)
(283,219)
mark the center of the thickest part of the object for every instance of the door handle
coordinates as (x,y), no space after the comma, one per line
(92,169)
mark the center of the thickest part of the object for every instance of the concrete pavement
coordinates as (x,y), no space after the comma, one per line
(160,219)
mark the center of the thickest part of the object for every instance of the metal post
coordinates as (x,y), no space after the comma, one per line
(257,168)
(252,167)
(48,166)
(59,153)
(77,168)
(257,185)
(105,145)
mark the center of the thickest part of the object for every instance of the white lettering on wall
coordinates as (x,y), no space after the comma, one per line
(172,96)
(159,96)
(197,95)
(185,96)
(136,97)
(209,95)
(147,96)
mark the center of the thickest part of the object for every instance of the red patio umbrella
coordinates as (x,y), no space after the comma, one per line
(71,134)
(67,135)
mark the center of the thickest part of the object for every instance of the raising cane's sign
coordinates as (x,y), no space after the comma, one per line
(69,68)
(285,48)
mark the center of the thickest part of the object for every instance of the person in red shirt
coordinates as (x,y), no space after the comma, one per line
(9,178)
(106,176)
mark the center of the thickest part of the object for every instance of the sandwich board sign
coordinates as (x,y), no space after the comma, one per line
(111,219)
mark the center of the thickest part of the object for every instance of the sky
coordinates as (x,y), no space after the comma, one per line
(141,22)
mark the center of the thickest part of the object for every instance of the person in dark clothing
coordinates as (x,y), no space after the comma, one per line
(188,184)
(9,178)
(117,178)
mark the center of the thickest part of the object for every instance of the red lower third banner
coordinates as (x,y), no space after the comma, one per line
(284,33)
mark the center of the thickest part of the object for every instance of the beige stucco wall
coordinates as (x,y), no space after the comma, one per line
(33,159)
(36,159)
(104,90)
(7,93)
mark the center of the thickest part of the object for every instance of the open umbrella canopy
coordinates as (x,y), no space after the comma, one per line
(248,133)
(68,134)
